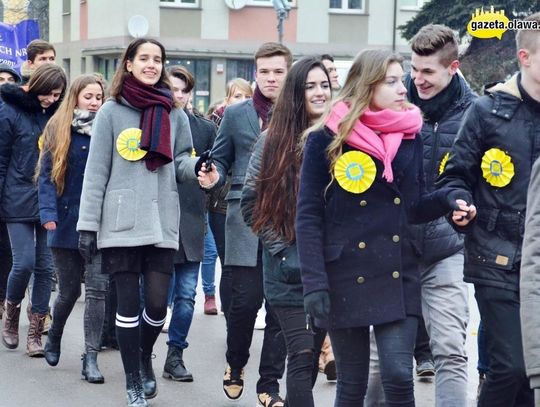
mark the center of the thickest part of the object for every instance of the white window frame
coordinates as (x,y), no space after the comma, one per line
(344,9)
(419,4)
(179,4)
(267,3)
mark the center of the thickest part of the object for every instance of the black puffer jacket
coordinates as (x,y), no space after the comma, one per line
(504,125)
(437,238)
(22,120)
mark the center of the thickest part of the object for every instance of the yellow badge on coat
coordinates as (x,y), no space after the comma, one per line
(40,143)
(355,171)
(128,144)
(442,165)
(497,167)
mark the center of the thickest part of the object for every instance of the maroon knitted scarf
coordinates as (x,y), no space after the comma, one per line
(156,104)
(262,106)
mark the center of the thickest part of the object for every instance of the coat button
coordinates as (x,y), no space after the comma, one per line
(360,280)
(395,274)
(363,202)
(84,147)
(362,245)
(283,258)
(395,238)
(397,201)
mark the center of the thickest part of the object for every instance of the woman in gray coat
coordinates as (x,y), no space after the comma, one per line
(130,209)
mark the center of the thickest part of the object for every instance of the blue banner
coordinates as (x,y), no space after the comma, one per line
(14,39)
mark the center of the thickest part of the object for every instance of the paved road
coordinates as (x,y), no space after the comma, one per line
(31,382)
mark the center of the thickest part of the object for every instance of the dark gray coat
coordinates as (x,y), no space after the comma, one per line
(193,198)
(237,133)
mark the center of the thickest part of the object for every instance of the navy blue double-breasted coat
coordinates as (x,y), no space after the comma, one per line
(63,209)
(360,247)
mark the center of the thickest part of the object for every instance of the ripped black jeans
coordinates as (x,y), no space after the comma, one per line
(303,350)
(70,268)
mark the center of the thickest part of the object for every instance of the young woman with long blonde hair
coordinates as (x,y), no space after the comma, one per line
(60,172)
(361,185)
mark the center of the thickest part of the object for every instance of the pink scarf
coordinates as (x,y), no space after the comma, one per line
(378,133)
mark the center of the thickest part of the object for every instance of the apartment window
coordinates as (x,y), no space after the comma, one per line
(268,3)
(180,3)
(411,4)
(241,68)
(347,6)
(66,7)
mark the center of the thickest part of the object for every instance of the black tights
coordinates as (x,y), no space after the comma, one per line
(132,339)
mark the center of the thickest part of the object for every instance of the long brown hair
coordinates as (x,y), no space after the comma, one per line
(129,55)
(277,185)
(57,132)
(367,71)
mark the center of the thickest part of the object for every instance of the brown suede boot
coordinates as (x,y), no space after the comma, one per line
(327,362)
(10,333)
(34,347)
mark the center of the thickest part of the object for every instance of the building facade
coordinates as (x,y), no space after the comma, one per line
(216,39)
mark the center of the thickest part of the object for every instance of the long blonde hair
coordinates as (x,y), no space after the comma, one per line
(57,132)
(367,71)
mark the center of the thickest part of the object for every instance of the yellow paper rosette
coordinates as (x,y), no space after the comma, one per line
(128,144)
(497,167)
(40,142)
(442,165)
(355,171)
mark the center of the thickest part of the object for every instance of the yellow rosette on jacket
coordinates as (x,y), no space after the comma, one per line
(128,144)
(497,167)
(355,171)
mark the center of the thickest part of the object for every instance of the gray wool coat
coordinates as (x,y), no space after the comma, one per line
(232,150)
(125,203)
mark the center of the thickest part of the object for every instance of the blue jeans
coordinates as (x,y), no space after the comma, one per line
(208,265)
(395,342)
(30,256)
(184,289)
(483,357)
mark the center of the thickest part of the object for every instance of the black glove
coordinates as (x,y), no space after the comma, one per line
(454,194)
(87,245)
(317,304)
(205,158)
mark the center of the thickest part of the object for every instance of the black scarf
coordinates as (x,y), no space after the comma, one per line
(435,108)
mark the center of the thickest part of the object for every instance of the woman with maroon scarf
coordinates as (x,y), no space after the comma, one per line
(129,205)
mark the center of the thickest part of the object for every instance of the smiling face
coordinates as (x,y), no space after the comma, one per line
(318,93)
(429,75)
(47,100)
(270,75)
(90,98)
(390,93)
(147,64)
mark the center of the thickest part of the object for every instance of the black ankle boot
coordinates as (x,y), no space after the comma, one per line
(90,370)
(174,368)
(134,390)
(52,348)
(148,377)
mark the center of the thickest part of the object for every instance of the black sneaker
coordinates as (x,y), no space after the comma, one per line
(233,383)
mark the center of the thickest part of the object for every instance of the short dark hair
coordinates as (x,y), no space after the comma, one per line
(433,38)
(327,57)
(272,49)
(37,47)
(526,39)
(183,74)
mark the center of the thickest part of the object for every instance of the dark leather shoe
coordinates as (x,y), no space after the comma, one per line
(52,348)
(174,368)
(90,370)
(134,390)
(148,377)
